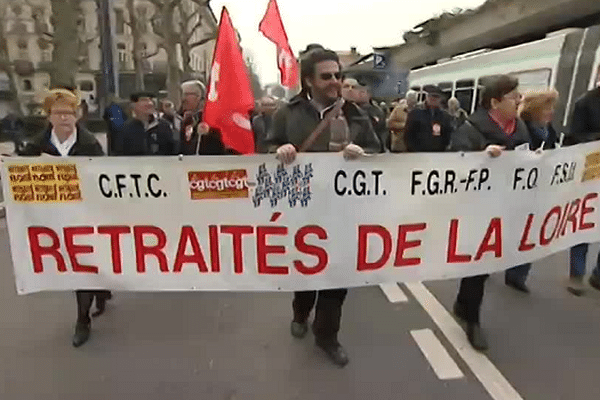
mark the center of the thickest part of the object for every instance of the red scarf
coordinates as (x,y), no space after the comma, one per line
(508,126)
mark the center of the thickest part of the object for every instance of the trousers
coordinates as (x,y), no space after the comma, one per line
(85,298)
(518,274)
(328,312)
(470,296)
(577,258)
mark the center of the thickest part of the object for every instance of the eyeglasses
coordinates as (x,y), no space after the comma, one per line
(63,113)
(328,76)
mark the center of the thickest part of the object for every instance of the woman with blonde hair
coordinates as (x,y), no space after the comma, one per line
(537,111)
(65,138)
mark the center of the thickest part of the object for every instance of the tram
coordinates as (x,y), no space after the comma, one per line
(567,60)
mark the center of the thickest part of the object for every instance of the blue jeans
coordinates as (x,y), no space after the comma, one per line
(577,261)
(517,274)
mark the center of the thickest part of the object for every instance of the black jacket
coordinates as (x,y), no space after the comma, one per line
(480,131)
(135,140)
(378,120)
(536,139)
(261,125)
(585,123)
(86,145)
(419,135)
(294,122)
(210,143)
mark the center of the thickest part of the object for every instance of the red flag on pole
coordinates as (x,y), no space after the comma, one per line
(230,97)
(272,27)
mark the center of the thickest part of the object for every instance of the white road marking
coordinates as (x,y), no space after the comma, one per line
(393,292)
(443,365)
(489,376)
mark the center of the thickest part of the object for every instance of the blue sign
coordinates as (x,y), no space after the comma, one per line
(379,61)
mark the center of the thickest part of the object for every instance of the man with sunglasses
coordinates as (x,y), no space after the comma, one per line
(429,129)
(350,133)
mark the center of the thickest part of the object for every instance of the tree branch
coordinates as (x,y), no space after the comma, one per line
(203,41)
(158,49)
(198,25)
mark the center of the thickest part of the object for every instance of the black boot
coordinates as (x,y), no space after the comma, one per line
(82,334)
(335,352)
(519,286)
(476,337)
(459,311)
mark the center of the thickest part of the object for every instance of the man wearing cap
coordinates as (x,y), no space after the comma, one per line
(65,138)
(192,127)
(145,134)
(429,129)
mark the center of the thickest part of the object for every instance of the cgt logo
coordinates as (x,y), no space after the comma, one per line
(218,184)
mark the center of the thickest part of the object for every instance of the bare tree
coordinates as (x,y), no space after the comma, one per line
(5,62)
(163,24)
(66,42)
(138,55)
(187,31)
(176,30)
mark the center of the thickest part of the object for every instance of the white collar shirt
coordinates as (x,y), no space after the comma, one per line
(65,147)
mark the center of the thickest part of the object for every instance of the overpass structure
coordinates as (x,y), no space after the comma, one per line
(495,24)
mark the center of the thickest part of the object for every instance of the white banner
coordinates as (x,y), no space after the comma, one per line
(248,224)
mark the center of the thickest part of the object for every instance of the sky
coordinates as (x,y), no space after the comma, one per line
(336,24)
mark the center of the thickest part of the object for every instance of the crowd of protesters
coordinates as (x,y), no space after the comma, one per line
(330,114)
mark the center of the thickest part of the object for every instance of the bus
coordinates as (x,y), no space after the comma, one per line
(567,60)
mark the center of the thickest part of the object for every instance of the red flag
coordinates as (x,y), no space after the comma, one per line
(272,27)
(230,97)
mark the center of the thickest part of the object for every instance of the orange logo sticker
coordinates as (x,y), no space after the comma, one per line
(44,183)
(218,184)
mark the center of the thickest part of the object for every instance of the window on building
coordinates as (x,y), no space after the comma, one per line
(4,82)
(23,47)
(27,85)
(86,86)
(120,21)
(122,54)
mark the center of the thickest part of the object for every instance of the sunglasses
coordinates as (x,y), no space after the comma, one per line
(328,75)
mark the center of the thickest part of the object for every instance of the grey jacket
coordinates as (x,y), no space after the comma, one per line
(480,131)
(294,122)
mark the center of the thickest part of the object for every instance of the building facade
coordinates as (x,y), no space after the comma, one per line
(28,35)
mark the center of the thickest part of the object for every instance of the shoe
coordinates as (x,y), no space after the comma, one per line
(459,311)
(299,329)
(519,286)
(594,282)
(335,352)
(101,303)
(82,334)
(576,286)
(477,337)
(100,307)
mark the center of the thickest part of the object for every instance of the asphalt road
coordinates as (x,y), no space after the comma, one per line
(233,346)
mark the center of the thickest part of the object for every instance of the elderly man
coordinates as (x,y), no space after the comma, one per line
(65,138)
(196,136)
(350,90)
(429,129)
